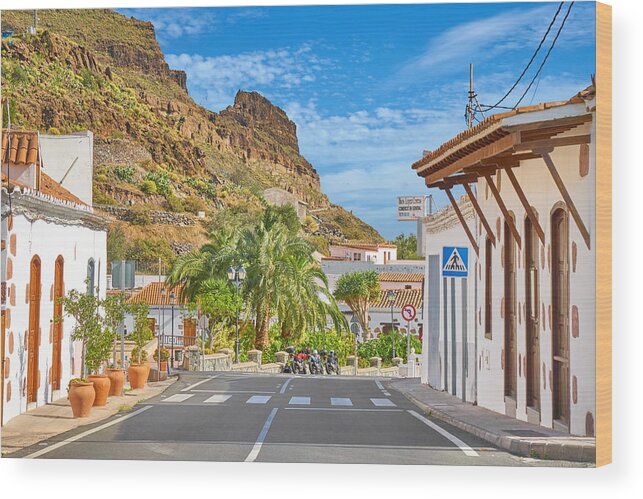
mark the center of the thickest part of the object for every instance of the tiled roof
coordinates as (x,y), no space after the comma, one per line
(401,277)
(22,150)
(20,147)
(365,246)
(493,121)
(402,297)
(152,295)
(334,258)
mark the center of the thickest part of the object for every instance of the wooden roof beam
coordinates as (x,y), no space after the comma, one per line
(463,222)
(504,210)
(552,143)
(449,182)
(566,197)
(480,213)
(525,204)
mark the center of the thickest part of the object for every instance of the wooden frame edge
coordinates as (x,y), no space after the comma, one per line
(603,234)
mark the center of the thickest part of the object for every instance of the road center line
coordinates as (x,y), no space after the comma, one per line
(84,434)
(285,385)
(339,409)
(262,436)
(187,388)
(461,445)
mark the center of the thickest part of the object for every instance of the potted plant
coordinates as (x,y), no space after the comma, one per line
(165,355)
(115,310)
(95,339)
(139,370)
(81,397)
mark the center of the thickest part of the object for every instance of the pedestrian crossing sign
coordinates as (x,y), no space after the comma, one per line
(455,261)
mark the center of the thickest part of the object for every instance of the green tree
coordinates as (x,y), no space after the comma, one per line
(407,247)
(88,329)
(285,215)
(219,303)
(116,243)
(359,290)
(142,333)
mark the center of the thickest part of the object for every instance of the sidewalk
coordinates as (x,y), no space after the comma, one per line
(53,419)
(515,436)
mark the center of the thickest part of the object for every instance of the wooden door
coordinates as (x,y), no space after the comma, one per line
(33,342)
(56,365)
(510,314)
(532,332)
(560,315)
(189,332)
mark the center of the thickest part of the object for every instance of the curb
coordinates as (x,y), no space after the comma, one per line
(584,453)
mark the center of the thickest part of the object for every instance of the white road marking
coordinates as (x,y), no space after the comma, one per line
(84,434)
(285,385)
(340,409)
(258,399)
(379,384)
(178,397)
(340,401)
(262,436)
(299,401)
(188,388)
(461,445)
(217,399)
(230,391)
(386,393)
(383,403)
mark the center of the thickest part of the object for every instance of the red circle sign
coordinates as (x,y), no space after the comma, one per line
(408,312)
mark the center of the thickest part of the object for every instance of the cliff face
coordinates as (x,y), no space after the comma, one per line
(102,71)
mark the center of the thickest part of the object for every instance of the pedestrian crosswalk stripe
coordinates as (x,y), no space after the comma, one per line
(258,399)
(217,399)
(178,397)
(299,401)
(383,403)
(340,401)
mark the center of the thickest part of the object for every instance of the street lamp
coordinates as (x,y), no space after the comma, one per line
(391,299)
(236,277)
(172,300)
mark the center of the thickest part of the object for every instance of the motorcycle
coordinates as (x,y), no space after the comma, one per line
(332,363)
(289,365)
(299,363)
(314,363)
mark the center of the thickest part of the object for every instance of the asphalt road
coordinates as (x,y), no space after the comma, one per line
(278,418)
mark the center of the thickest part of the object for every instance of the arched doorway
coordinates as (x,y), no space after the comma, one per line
(510,315)
(56,365)
(33,343)
(532,330)
(560,315)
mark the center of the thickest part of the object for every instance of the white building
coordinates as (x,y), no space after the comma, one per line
(356,252)
(52,242)
(530,228)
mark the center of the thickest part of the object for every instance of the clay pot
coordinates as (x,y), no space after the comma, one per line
(138,374)
(117,380)
(81,397)
(163,366)
(101,387)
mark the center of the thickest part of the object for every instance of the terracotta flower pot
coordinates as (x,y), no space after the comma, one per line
(117,380)
(81,397)
(138,375)
(163,366)
(101,387)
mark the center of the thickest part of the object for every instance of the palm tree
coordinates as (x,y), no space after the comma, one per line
(305,303)
(195,268)
(358,290)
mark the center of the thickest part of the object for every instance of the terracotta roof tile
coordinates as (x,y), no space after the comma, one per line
(152,295)
(402,297)
(401,277)
(365,246)
(20,147)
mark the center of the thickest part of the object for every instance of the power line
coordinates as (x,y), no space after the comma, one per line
(533,57)
(542,64)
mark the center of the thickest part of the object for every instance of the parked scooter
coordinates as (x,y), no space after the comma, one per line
(332,363)
(299,363)
(289,366)
(314,363)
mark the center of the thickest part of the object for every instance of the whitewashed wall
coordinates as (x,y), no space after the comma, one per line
(77,245)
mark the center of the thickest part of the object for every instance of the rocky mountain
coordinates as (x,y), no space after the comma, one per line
(156,149)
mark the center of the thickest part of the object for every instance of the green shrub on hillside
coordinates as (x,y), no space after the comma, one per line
(148,187)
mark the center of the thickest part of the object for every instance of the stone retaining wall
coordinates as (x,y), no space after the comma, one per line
(156,217)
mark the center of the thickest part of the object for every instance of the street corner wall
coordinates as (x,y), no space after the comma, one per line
(76,244)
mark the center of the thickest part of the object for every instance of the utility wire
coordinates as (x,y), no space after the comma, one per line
(524,71)
(542,64)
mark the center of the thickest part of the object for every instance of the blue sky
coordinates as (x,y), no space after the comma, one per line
(371,86)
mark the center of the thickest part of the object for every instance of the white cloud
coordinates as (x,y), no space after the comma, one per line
(171,24)
(218,78)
